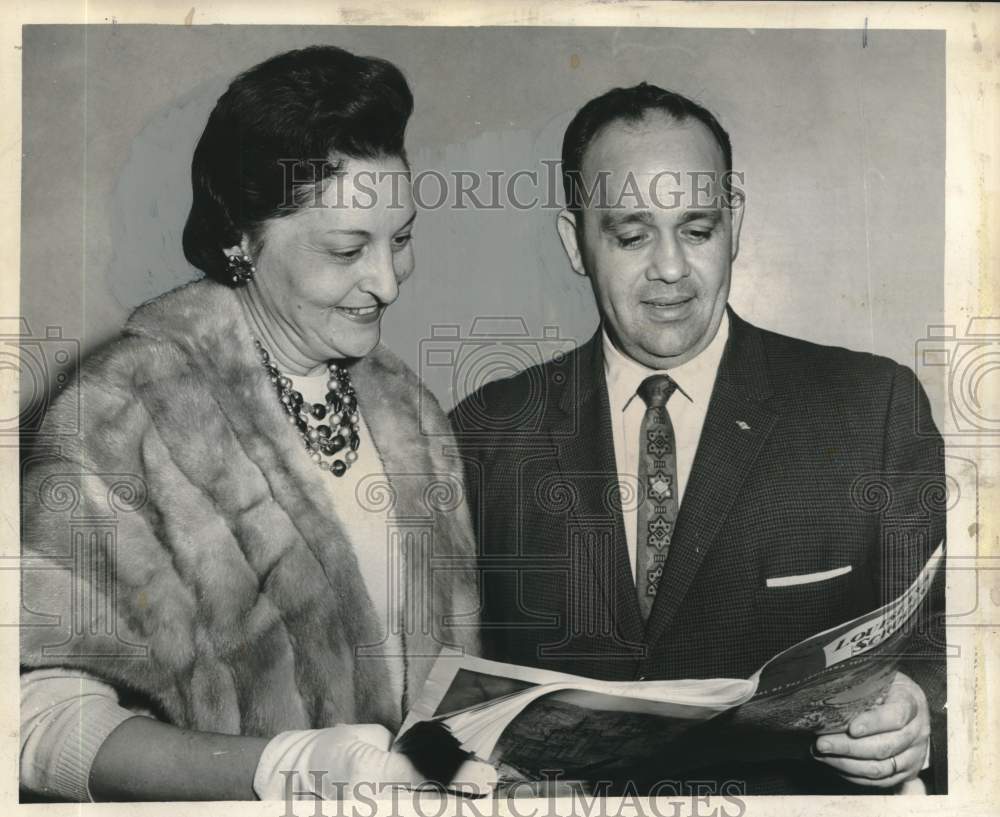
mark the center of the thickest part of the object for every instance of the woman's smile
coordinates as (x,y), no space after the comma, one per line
(362,314)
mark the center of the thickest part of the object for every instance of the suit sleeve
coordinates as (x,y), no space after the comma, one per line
(474,445)
(912,526)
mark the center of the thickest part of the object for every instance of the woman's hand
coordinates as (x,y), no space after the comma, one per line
(333,763)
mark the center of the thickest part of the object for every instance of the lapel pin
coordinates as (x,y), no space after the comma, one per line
(743,426)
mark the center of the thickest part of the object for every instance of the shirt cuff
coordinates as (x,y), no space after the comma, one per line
(96,719)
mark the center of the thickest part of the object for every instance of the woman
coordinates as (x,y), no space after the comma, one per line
(267,481)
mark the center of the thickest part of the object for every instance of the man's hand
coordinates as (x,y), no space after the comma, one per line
(886,745)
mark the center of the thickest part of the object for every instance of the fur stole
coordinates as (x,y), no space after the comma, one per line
(179,544)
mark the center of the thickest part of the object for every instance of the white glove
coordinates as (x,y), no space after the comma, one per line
(327,763)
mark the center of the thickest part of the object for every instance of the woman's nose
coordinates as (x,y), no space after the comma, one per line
(380,279)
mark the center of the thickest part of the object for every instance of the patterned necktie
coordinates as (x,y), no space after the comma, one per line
(658,476)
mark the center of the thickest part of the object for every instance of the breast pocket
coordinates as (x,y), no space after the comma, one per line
(798,605)
(799,579)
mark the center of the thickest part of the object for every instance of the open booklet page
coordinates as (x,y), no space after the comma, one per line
(819,684)
(529,722)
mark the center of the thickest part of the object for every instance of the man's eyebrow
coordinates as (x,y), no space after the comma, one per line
(609,221)
(712,214)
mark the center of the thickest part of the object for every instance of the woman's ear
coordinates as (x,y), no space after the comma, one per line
(239,250)
(566,223)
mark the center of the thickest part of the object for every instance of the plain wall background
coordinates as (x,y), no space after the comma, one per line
(842,146)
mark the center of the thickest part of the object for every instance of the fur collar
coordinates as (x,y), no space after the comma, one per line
(235,602)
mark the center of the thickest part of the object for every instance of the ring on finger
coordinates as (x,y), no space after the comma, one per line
(895,769)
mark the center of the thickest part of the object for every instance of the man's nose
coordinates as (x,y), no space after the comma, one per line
(668,262)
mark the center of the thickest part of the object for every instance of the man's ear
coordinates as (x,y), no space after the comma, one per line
(566,224)
(737,206)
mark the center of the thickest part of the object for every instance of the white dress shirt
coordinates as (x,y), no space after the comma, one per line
(687,408)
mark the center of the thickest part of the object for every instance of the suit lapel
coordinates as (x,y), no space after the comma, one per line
(736,426)
(586,457)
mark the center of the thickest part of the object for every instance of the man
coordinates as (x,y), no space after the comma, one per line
(686,494)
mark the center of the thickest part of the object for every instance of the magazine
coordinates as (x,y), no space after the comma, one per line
(530,722)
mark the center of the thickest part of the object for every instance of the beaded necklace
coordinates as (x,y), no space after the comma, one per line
(339,411)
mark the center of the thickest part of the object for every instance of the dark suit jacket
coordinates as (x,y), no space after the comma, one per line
(831,470)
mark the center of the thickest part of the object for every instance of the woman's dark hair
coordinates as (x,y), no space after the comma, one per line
(628,105)
(281,128)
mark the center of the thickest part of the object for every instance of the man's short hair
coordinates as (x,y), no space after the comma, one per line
(628,105)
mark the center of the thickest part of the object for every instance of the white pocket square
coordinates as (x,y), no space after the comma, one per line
(808,578)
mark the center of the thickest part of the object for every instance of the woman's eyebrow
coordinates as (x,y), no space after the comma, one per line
(365,233)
